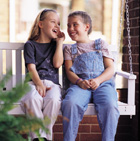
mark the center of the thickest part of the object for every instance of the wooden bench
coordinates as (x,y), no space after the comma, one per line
(11,56)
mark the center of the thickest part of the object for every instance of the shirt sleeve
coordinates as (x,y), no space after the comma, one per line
(29,53)
(67,52)
(106,50)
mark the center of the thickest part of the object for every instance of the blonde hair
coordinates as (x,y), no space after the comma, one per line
(35,30)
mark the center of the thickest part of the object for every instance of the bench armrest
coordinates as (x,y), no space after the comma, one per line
(126,75)
(131,86)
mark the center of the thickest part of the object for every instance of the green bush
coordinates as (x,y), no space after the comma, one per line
(12,128)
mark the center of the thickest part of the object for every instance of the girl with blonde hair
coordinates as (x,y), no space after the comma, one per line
(43,55)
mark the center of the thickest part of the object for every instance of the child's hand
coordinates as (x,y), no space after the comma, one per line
(42,89)
(84,84)
(60,36)
(94,83)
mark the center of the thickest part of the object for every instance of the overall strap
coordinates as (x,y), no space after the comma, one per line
(98,44)
(74,49)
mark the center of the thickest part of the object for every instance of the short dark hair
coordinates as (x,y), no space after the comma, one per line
(85,17)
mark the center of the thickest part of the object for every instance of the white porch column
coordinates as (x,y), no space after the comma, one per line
(11,20)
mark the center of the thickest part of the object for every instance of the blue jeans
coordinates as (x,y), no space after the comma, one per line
(76,102)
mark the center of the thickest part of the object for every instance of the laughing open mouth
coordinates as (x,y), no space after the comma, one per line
(54,30)
(72,34)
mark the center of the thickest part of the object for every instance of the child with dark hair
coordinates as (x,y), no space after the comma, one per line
(89,67)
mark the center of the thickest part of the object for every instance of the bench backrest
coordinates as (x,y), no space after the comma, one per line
(11,57)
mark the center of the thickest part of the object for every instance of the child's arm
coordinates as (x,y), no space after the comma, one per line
(58,56)
(84,84)
(38,83)
(106,75)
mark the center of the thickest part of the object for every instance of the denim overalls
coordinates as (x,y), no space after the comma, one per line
(87,66)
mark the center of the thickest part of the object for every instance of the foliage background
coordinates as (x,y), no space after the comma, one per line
(13,127)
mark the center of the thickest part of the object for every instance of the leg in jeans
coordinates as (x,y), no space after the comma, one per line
(105,100)
(73,108)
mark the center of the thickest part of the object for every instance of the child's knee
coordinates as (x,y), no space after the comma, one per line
(111,106)
(68,103)
(55,101)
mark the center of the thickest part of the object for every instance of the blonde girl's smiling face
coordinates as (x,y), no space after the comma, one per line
(50,26)
(77,29)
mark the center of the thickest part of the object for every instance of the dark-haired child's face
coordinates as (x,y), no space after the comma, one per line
(77,29)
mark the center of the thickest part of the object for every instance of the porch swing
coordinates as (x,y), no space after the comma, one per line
(127,108)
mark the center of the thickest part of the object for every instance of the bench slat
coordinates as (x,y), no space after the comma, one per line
(11,46)
(124,109)
(1,63)
(9,62)
(18,66)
